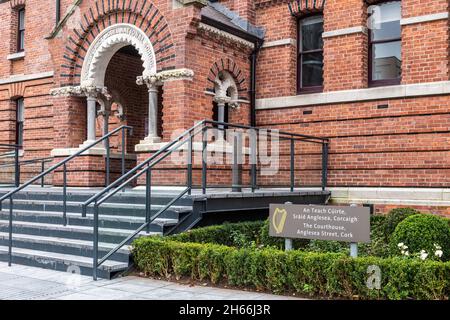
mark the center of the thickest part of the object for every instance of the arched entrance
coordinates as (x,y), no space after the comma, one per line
(116,58)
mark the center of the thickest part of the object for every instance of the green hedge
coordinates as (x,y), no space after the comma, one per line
(307,273)
(228,234)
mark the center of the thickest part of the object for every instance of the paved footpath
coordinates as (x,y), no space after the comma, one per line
(21,282)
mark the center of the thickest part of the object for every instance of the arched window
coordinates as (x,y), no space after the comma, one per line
(310,54)
(385,45)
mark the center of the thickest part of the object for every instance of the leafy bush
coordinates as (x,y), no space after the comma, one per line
(307,273)
(422,232)
(394,217)
(230,234)
(274,242)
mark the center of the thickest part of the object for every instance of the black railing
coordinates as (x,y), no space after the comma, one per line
(146,167)
(40,161)
(15,154)
(63,164)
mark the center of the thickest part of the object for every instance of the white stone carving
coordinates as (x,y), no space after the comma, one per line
(107,43)
(226,90)
(163,76)
(101,93)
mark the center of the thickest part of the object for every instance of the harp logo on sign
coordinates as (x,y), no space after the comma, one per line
(279,219)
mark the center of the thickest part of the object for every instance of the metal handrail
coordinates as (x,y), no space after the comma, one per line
(62,163)
(147,166)
(137,168)
(15,153)
(42,161)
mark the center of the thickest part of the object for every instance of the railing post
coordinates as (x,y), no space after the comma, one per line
(42,171)
(16,167)
(292,164)
(237,162)
(253,158)
(10,230)
(148,197)
(108,162)
(324,165)
(95,244)
(64,194)
(189,164)
(123,151)
(204,159)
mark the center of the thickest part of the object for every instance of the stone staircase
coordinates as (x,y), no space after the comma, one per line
(40,238)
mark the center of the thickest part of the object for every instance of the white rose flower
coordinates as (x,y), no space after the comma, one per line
(438,253)
(423,255)
(400,245)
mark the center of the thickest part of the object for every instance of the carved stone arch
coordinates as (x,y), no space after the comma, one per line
(16,4)
(225,88)
(227,67)
(143,15)
(300,8)
(107,43)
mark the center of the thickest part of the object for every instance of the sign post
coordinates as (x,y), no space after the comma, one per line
(339,223)
(288,241)
(353,245)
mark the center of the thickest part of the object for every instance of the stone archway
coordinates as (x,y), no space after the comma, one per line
(107,43)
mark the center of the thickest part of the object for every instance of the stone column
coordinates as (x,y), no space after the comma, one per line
(152,82)
(91,116)
(152,114)
(221,102)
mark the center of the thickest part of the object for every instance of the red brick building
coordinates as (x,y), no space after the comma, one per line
(373,76)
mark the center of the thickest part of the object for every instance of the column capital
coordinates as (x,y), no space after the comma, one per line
(87,90)
(222,100)
(157,79)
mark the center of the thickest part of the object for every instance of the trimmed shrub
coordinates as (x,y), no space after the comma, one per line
(308,273)
(422,232)
(229,234)
(394,217)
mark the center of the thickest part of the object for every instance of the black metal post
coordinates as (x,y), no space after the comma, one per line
(65,194)
(253,158)
(189,165)
(123,151)
(42,170)
(204,159)
(324,165)
(108,163)
(95,244)
(148,197)
(237,162)
(10,229)
(292,164)
(16,167)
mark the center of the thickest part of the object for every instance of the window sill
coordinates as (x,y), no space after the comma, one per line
(357,95)
(16,56)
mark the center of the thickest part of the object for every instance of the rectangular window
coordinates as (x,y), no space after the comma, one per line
(21,30)
(20,110)
(310,55)
(385,46)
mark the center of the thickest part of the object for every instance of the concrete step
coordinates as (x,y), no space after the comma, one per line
(65,246)
(75,219)
(108,235)
(123,209)
(129,196)
(61,262)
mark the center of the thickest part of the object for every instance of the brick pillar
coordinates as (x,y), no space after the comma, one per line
(425,45)
(69,133)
